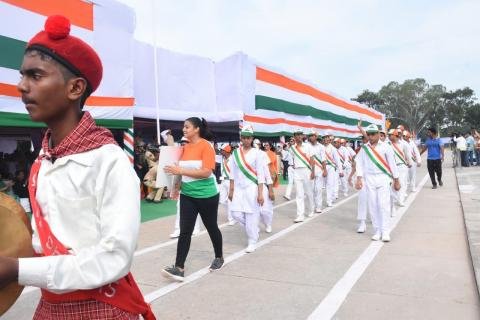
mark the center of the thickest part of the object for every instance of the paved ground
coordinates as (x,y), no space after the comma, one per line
(320,269)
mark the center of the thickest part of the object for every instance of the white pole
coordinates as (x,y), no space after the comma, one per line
(155,68)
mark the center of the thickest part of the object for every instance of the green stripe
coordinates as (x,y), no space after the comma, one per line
(301,158)
(273,104)
(225,170)
(203,188)
(11,52)
(13,119)
(242,167)
(130,152)
(376,162)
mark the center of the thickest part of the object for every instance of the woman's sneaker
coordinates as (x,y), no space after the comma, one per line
(217,264)
(174,273)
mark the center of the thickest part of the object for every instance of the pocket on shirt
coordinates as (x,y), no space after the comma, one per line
(79,218)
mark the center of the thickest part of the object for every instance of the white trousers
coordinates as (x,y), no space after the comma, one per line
(304,191)
(412,176)
(401,194)
(291,179)
(266,211)
(196,229)
(250,222)
(224,188)
(362,204)
(318,184)
(379,201)
(330,184)
(344,180)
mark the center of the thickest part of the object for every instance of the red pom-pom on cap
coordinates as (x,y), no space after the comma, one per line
(57,27)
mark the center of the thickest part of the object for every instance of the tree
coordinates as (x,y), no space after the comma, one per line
(417,105)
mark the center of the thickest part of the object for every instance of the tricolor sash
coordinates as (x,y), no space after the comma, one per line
(342,158)
(318,161)
(378,160)
(226,169)
(243,165)
(123,293)
(330,161)
(414,156)
(399,154)
(301,156)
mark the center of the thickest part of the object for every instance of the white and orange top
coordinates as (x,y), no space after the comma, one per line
(198,155)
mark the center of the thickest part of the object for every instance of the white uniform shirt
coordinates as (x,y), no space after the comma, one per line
(306,148)
(365,166)
(318,151)
(256,160)
(333,153)
(405,148)
(91,201)
(415,156)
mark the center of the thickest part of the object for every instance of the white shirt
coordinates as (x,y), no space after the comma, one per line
(404,147)
(461,143)
(365,166)
(331,151)
(91,201)
(256,160)
(415,156)
(306,148)
(318,151)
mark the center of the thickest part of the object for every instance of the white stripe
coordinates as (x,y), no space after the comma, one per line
(9,76)
(10,26)
(268,128)
(278,92)
(334,299)
(202,272)
(117,113)
(128,145)
(274,114)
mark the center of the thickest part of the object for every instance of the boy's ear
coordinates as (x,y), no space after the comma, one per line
(76,88)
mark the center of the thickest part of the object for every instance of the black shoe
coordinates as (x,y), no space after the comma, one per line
(217,264)
(440,183)
(173,273)
(434,186)
(157,201)
(148,200)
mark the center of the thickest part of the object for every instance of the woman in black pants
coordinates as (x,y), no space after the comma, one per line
(198,194)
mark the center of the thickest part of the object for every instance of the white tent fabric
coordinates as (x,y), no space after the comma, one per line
(186,87)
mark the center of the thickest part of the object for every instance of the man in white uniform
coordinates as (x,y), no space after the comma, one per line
(304,173)
(291,180)
(225,173)
(334,169)
(376,168)
(401,151)
(320,169)
(246,186)
(415,159)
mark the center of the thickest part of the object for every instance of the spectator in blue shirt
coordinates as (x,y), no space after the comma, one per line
(470,148)
(435,156)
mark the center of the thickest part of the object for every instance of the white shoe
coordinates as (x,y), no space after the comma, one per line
(393,213)
(376,237)
(401,204)
(310,215)
(318,210)
(250,248)
(329,205)
(299,219)
(175,235)
(386,237)
(362,227)
(345,194)
(414,189)
(287,198)
(232,222)
(268,229)
(195,232)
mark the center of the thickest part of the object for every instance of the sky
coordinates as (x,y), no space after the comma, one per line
(342,46)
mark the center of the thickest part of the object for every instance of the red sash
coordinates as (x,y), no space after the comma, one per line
(123,293)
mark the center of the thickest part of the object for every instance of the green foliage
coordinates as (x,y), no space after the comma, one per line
(418,105)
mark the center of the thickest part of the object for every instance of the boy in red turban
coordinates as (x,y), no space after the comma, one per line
(83,191)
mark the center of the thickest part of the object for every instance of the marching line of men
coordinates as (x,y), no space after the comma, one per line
(383,168)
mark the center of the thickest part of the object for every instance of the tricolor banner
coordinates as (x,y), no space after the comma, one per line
(104,24)
(283,104)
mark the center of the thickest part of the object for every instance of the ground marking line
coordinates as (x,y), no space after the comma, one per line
(152,296)
(329,306)
(143,251)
